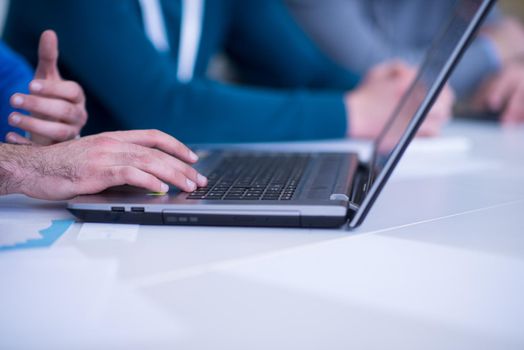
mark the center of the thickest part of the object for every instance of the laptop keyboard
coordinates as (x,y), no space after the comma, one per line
(252,177)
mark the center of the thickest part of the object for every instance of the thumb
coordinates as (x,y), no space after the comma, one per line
(48,57)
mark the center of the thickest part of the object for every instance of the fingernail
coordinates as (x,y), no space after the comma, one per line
(18,100)
(190,185)
(164,188)
(36,86)
(193,156)
(14,119)
(10,138)
(202,180)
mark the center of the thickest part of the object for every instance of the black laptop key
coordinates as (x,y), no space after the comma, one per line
(232,198)
(195,196)
(216,194)
(213,197)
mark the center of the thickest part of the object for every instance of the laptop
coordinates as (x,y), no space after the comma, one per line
(297,189)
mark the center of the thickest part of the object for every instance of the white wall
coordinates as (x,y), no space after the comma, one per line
(3,8)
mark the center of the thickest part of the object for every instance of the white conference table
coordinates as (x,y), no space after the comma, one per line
(438,264)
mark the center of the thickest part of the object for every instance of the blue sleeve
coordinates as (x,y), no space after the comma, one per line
(479,62)
(15,76)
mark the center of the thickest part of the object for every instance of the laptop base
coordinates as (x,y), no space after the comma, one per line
(180,219)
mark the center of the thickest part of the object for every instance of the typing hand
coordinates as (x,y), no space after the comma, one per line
(143,158)
(57,107)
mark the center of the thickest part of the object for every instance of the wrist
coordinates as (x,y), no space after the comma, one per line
(14,168)
(353,102)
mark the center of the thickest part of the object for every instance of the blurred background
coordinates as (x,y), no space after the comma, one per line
(515,7)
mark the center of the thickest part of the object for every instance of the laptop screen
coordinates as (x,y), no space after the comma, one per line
(442,57)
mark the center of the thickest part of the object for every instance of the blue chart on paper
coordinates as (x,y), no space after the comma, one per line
(48,237)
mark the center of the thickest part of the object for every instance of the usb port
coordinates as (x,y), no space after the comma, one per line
(137,209)
(118,209)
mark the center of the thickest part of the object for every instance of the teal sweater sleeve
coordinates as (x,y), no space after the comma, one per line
(103,45)
(272,49)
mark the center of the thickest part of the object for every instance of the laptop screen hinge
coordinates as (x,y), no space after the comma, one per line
(359,188)
(353,206)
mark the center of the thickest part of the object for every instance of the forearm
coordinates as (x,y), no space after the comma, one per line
(14,167)
(203,111)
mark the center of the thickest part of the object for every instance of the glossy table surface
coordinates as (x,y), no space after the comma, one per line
(438,264)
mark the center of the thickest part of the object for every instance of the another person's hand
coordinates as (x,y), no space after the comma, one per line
(440,114)
(373,103)
(508,38)
(148,159)
(57,106)
(504,93)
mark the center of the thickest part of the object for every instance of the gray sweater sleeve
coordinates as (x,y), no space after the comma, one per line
(479,62)
(355,37)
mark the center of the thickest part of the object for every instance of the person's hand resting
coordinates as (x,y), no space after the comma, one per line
(148,159)
(56,107)
(373,103)
(504,93)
